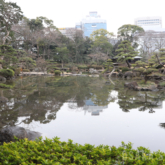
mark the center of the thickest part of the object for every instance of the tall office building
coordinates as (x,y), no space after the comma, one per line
(91,23)
(150,23)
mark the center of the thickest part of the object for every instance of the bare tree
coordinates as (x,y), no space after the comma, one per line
(99,56)
(147,43)
(151,41)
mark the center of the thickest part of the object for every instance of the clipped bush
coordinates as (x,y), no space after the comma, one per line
(149,71)
(159,66)
(82,67)
(12,67)
(55,152)
(162,84)
(7,73)
(51,69)
(125,69)
(95,66)
(5,86)
(25,70)
(57,72)
(139,70)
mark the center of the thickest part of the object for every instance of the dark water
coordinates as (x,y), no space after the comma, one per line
(86,110)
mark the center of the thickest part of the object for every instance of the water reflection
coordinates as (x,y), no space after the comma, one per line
(34,97)
(92,108)
(150,101)
(39,99)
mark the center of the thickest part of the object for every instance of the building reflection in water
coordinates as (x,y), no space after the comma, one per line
(93,108)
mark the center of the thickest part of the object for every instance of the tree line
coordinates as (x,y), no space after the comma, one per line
(26,41)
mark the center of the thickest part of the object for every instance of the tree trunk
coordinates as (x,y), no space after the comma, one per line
(112,72)
(38,49)
(4,40)
(145,78)
(158,59)
(128,64)
(62,64)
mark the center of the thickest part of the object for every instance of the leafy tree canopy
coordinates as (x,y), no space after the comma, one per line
(7,54)
(39,23)
(100,32)
(130,32)
(8,19)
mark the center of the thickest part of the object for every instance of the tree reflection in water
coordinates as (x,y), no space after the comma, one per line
(40,98)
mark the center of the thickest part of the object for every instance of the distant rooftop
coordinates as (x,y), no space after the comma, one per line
(93,17)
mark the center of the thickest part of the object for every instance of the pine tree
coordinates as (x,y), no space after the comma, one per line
(126,52)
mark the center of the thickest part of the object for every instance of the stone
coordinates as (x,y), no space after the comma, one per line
(3,99)
(129,74)
(93,75)
(2,79)
(115,74)
(8,133)
(120,74)
(93,71)
(37,69)
(131,85)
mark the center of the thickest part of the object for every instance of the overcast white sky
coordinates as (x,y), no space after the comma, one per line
(65,13)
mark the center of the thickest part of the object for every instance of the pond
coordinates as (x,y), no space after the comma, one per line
(86,110)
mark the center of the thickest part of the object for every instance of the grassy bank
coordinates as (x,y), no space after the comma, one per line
(55,152)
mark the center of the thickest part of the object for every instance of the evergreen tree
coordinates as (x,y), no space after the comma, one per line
(126,52)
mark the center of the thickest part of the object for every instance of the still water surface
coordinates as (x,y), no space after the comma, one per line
(86,110)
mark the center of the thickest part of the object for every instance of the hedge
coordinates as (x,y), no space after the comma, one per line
(5,86)
(125,69)
(95,66)
(6,73)
(55,152)
(57,72)
(82,67)
(25,70)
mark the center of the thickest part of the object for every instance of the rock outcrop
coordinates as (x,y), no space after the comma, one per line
(2,79)
(133,85)
(8,133)
(93,71)
(129,74)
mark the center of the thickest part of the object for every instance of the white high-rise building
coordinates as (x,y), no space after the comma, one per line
(150,23)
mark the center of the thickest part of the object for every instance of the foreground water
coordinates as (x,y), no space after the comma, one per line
(86,110)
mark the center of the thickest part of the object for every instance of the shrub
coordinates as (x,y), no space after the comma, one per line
(95,66)
(149,71)
(139,70)
(5,86)
(12,67)
(55,152)
(82,67)
(6,73)
(57,72)
(162,84)
(25,70)
(125,69)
